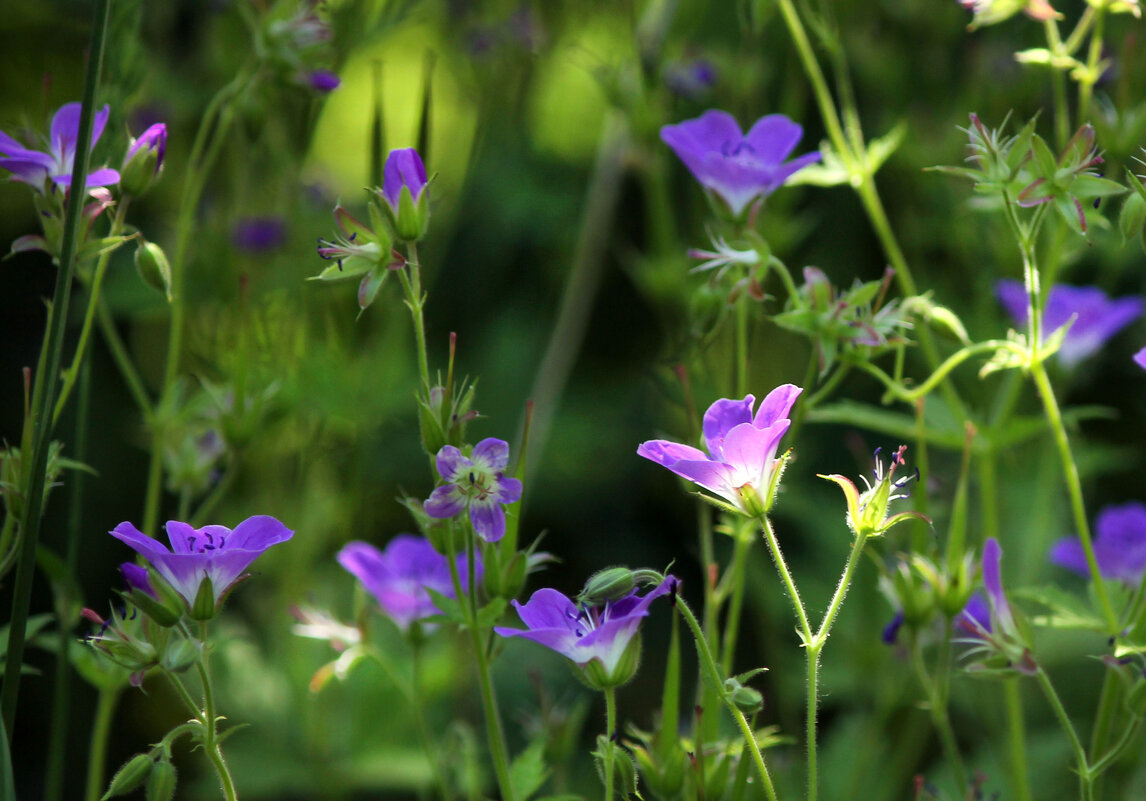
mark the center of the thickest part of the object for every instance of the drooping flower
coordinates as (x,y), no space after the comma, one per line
(741,465)
(738,168)
(476,483)
(1119,545)
(400,576)
(37,168)
(404,195)
(213,554)
(1096,317)
(601,634)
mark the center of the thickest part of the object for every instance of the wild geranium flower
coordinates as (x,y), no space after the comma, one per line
(867,510)
(205,560)
(1096,318)
(1119,545)
(144,160)
(741,465)
(400,576)
(404,195)
(41,169)
(599,639)
(998,637)
(738,168)
(476,483)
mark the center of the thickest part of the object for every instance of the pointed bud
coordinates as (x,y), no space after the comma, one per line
(204,607)
(144,160)
(133,773)
(153,267)
(161,782)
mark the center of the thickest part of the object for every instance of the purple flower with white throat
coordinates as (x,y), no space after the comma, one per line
(476,483)
(1096,318)
(400,576)
(1119,545)
(736,167)
(584,635)
(213,554)
(741,465)
(54,167)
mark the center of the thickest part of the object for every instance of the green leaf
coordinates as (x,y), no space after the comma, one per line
(880,150)
(491,613)
(1132,218)
(1065,611)
(829,172)
(451,609)
(528,771)
(895,424)
(1044,158)
(1091,186)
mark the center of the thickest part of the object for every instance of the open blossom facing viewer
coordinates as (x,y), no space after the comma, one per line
(35,168)
(741,464)
(400,576)
(1119,545)
(1097,318)
(589,634)
(738,167)
(212,553)
(476,483)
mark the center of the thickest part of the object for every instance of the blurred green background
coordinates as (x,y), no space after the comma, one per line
(528,99)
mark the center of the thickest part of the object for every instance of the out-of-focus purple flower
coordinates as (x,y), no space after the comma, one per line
(323,80)
(1140,358)
(690,79)
(36,168)
(891,630)
(998,640)
(583,635)
(135,576)
(993,583)
(741,465)
(976,615)
(1097,318)
(737,167)
(1119,545)
(400,576)
(476,483)
(404,170)
(213,553)
(259,234)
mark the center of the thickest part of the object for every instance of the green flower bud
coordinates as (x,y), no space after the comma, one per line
(133,773)
(204,606)
(746,699)
(161,782)
(152,265)
(610,584)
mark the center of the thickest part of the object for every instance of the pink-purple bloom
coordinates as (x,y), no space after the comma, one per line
(404,169)
(1097,318)
(1140,358)
(153,139)
(583,634)
(738,167)
(741,449)
(477,483)
(212,552)
(400,577)
(37,168)
(1119,545)
(136,578)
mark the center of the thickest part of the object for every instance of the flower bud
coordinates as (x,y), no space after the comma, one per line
(161,782)
(746,699)
(153,268)
(405,199)
(180,655)
(144,160)
(610,584)
(133,773)
(596,677)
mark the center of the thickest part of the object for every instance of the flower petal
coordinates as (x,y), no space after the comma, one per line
(492,452)
(148,547)
(774,137)
(258,533)
(508,490)
(720,418)
(445,501)
(667,453)
(488,519)
(777,405)
(451,462)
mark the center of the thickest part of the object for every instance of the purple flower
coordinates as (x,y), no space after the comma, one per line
(738,167)
(476,483)
(323,80)
(400,576)
(154,139)
(999,642)
(404,170)
(1140,358)
(976,615)
(135,576)
(213,552)
(1119,545)
(258,234)
(585,634)
(35,167)
(1096,317)
(741,463)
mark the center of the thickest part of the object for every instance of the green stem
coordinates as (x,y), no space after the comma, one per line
(1091,75)
(610,729)
(940,719)
(738,573)
(1058,83)
(47,377)
(72,373)
(1074,490)
(1016,741)
(433,754)
(416,302)
(123,361)
(97,749)
(712,672)
(741,367)
(1085,777)
(897,390)
(786,577)
(210,734)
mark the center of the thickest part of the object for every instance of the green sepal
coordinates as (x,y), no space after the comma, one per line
(203,607)
(131,775)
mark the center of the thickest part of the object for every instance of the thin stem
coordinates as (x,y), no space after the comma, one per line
(610,729)
(210,735)
(741,367)
(712,672)
(1016,741)
(786,577)
(940,719)
(433,754)
(123,361)
(897,390)
(1085,779)
(1058,83)
(97,749)
(47,378)
(738,572)
(1074,490)
(415,302)
(72,373)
